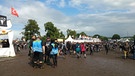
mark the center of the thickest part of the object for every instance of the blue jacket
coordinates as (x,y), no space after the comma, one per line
(37,46)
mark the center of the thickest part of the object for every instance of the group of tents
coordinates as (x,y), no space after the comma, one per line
(83,40)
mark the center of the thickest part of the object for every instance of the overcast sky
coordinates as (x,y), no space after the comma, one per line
(103,17)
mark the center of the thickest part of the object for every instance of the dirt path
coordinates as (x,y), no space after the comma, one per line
(98,64)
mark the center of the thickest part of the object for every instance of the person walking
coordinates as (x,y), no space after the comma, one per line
(91,46)
(69,45)
(83,49)
(126,50)
(63,49)
(106,47)
(78,50)
(73,47)
(133,50)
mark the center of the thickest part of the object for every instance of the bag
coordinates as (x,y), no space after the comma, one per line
(54,49)
(78,49)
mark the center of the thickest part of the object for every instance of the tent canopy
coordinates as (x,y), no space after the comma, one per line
(91,40)
(69,39)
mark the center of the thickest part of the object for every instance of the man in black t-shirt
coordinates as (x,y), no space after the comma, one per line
(48,49)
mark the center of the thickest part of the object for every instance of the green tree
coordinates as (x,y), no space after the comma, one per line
(71,32)
(103,38)
(62,35)
(51,30)
(116,36)
(77,35)
(96,35)
(134,37)
(31,28)
(83,33)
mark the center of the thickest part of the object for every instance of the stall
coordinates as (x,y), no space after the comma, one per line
(6,50)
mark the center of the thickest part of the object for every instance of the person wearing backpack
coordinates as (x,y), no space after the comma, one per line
(54,52)
(78,49)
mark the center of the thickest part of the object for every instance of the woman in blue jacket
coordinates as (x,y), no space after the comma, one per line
(54,52)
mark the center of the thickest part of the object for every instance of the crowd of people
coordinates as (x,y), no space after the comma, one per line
(47,51)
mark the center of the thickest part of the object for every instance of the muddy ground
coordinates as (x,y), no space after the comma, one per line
(98,64)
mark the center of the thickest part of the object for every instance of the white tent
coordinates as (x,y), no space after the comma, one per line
(91,40)
(69,39)
(96,40)
(127,40)
(7,52)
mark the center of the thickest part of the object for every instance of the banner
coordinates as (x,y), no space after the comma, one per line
(3,21)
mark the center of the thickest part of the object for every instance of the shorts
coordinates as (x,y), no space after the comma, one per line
(38,56)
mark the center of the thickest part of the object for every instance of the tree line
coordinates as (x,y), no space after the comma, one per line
(32,28)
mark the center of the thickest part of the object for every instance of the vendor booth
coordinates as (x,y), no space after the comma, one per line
(6,38)
(7,49)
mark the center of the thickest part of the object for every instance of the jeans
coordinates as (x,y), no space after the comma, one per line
(54,58)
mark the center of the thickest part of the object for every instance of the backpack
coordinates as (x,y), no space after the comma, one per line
(54,48)
(78,48)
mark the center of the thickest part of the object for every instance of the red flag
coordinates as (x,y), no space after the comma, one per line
(14,12)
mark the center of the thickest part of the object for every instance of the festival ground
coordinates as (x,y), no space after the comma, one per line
(98,64)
